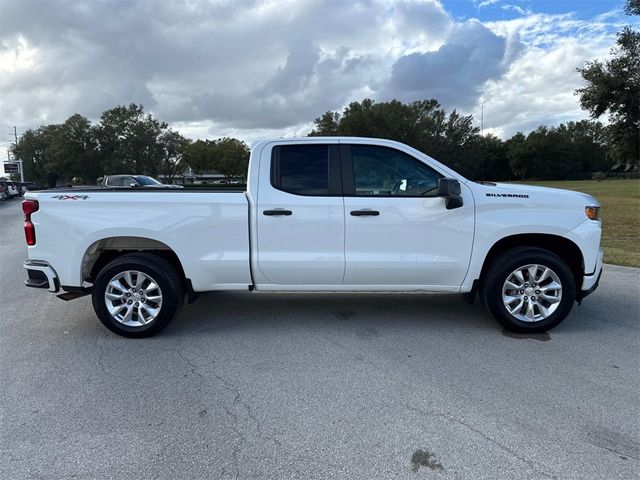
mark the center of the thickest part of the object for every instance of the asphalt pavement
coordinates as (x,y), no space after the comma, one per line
(348,386)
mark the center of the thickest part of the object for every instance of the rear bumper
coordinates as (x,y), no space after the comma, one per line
(591,282)
(41,275)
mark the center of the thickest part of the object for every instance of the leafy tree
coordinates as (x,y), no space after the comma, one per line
(517,154)
(172,161)
(613,86)
(567,151)
(33,150)
(490,159)
(228,156)
(129,140)
(423,125)
(327,124)
(198,156)
(589,145)
(231,158)
(126,140)
(72,151)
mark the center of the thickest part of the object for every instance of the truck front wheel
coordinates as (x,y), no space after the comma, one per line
(529,290)
(137,295)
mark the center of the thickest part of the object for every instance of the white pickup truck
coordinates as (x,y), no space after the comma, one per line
(333,214)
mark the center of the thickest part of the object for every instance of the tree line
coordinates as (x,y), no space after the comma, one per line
(125,140)
(567,151)
(128,140)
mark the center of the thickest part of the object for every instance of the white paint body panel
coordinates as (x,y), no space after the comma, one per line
(207,231)
(414,241)
(224,242)
(544,211)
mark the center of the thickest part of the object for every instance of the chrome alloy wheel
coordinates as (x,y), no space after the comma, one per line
(532,292)
(133,298)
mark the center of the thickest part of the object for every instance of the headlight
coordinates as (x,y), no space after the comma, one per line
(592,212)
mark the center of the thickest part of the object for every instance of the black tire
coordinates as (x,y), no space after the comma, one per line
(161,271)
(501,268)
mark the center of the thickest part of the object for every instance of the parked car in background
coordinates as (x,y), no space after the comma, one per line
(31,186)
(3,191)
(319,214)
(132,181)
(22,188)
(9,189)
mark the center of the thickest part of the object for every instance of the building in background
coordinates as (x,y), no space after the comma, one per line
(190,178)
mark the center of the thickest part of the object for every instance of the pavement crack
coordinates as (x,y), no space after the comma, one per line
(193,366)
(612,450)
(101,353)
(237,409)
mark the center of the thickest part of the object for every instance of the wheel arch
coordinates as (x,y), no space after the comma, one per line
(102,251)
(561,246)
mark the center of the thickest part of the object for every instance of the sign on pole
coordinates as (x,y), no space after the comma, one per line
(11,167)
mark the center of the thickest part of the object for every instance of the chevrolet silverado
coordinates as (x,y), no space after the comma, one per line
(333,214)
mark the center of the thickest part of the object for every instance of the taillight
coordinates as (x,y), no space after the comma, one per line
(29,207)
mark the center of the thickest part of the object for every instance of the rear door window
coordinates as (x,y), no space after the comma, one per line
(114,181)
(306,169)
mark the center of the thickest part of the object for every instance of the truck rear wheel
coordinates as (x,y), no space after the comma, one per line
(529,290)
(137,295)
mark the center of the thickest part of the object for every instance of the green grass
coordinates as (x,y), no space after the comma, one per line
(620,214)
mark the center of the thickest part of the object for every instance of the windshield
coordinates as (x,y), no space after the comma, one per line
(144,180)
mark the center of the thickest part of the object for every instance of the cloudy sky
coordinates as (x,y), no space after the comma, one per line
(259,68)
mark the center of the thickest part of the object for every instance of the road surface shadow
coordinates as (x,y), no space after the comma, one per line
(231,310)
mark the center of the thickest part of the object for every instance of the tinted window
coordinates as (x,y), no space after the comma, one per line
(380,171)
(301,169)
(144,180)
(114,181)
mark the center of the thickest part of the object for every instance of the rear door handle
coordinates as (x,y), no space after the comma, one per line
(364,213)
(277,211)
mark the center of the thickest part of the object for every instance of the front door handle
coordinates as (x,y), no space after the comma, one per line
(364,213)
(277,211)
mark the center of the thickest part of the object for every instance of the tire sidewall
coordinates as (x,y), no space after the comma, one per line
(505,265)
(170,297)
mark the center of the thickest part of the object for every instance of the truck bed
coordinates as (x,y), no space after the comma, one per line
(207,230)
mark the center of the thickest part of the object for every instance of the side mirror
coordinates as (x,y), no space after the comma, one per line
(134,185)
(449,189)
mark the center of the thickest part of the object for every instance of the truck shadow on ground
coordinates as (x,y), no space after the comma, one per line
(229,311)
(226,311)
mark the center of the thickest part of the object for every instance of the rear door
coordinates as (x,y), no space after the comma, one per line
(300,215)
(398,232)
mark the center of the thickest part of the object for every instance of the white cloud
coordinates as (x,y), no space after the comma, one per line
(487,3)
(267,68)
(455,73)
(539,86)
(515,8)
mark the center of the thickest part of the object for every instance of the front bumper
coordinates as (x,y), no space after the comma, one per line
(41,275)
(591,282)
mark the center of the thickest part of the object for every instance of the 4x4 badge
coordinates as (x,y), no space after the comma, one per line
(71,197)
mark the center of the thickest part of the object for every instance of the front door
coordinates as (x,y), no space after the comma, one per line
(398,232)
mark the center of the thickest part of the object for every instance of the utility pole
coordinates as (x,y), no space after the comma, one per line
(15,136)
(482,135)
